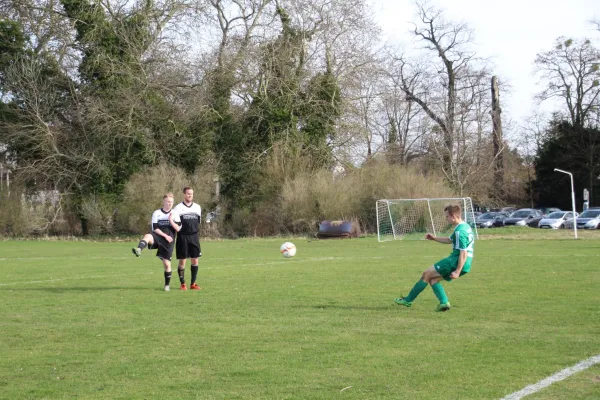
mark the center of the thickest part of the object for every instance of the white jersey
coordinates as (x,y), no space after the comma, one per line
(190,218)
(160,220)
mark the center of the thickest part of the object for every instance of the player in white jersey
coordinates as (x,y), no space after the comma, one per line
(165,224)
(188,240)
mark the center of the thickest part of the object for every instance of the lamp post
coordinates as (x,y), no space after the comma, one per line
(572,200)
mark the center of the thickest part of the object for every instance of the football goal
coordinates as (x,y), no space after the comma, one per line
(413,218)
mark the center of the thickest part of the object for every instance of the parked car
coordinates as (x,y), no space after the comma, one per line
(490,220)
(548,210)
(522,216)
(535,221)
(589,219)
(508,210)
(556,220)
(569,224)
(476,214)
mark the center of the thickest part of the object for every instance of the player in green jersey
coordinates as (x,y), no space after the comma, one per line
(451,267)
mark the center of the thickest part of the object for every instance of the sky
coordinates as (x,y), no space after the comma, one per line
(510,32)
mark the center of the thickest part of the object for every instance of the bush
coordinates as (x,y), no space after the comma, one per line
(99,213)
(26,212)
(308,199)
(144,191)
(293,200)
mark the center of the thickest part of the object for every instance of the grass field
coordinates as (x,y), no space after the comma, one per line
(88,320)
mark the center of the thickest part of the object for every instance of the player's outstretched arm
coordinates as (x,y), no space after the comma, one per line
(439,239)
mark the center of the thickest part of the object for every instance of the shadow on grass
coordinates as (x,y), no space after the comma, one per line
(347,307)
(358,307)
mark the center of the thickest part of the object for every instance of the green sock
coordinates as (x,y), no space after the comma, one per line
(414,292)
(438,289)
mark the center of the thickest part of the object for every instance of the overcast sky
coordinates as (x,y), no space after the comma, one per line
(511,32)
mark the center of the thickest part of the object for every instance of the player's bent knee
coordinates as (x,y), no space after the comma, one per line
(431,276)
(428,272)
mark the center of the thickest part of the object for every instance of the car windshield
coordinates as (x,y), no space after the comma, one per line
(520,214)
(556,215)
(487,216)
(590,214)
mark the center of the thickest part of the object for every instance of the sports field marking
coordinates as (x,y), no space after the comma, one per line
(565,373)
(70,278)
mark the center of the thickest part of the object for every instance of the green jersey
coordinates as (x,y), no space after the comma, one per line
(462,239)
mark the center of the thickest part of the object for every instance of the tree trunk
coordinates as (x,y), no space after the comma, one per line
(449,131)
(84,227)
(498,184)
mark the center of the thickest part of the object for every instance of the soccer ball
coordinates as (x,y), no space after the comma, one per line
(288,250)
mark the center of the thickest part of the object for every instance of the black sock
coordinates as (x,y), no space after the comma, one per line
(167,278)
(181,273)
(194,273)
(142,244)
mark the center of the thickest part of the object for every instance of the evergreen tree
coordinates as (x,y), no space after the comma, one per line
(572,148)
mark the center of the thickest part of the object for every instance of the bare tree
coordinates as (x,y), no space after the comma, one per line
(571,73)
(405,129)
(367,102)
(38,131)
(534,132)
(451,89)
(237,22)
(497,139)
(68,131)
(44,23)
(448,41)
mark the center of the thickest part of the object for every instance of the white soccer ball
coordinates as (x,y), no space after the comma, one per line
(288,250)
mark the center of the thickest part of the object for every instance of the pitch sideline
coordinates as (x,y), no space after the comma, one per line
(559,376)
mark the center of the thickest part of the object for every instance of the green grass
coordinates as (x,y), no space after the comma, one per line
(88,320)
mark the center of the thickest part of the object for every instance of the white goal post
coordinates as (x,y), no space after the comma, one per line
(413,218)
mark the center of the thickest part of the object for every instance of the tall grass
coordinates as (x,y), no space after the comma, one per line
(292,196)
(26,212)
(144,191)
(295,197)
(312,197)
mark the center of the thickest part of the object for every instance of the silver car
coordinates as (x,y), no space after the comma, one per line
(589,219)
(522,216)
(556,220)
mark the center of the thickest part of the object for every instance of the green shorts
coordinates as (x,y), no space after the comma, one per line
(447,265)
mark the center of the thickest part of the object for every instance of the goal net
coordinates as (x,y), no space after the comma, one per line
(413,218)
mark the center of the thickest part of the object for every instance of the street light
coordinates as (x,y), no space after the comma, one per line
(572,199)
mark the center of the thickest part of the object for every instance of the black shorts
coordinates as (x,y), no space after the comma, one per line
(188,246)
(165,249)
